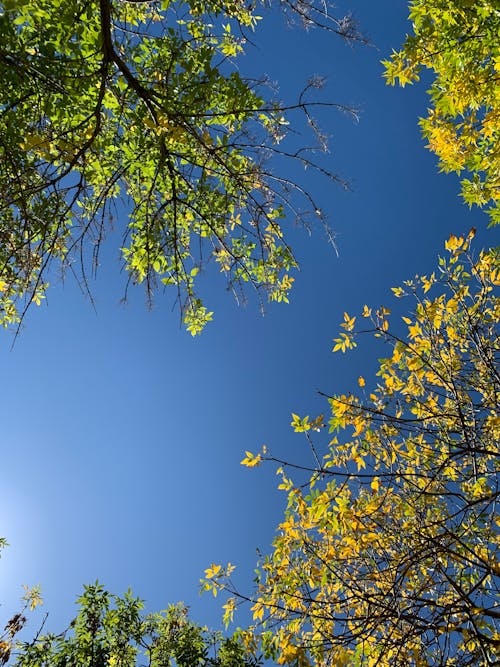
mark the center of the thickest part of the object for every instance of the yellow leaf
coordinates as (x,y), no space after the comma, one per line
(414,331)
(258,611)
(427,283)
(360,461)
(348,323)
(251,460)
(471,234)
(361,381)
(454,243)
(229,609)
(213,571)
(339,345)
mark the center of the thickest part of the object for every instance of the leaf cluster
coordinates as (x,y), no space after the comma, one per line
(458,42)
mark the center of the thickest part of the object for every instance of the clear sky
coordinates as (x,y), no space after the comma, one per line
(122,434)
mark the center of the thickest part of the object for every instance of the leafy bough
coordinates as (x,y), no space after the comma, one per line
(131,110)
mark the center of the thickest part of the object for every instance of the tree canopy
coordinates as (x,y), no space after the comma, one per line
(113,631)
(132,111)
(457,40)
(389,554)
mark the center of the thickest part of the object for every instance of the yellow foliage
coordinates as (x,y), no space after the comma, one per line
(251,460)
(398,528)
(213,571)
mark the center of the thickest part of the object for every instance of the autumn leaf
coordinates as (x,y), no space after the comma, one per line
(251,460)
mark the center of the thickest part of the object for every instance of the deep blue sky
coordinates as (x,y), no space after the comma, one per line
(122,435)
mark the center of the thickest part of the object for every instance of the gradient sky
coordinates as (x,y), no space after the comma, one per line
(122,434)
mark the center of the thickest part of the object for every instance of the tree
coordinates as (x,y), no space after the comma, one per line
(112,631)
(389,553)
(132,110)
(457,40)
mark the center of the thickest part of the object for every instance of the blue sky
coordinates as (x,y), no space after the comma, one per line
(122,434)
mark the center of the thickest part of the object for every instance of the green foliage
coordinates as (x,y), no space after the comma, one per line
(390,555)
(113,631)
(458,41)
(108,105)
